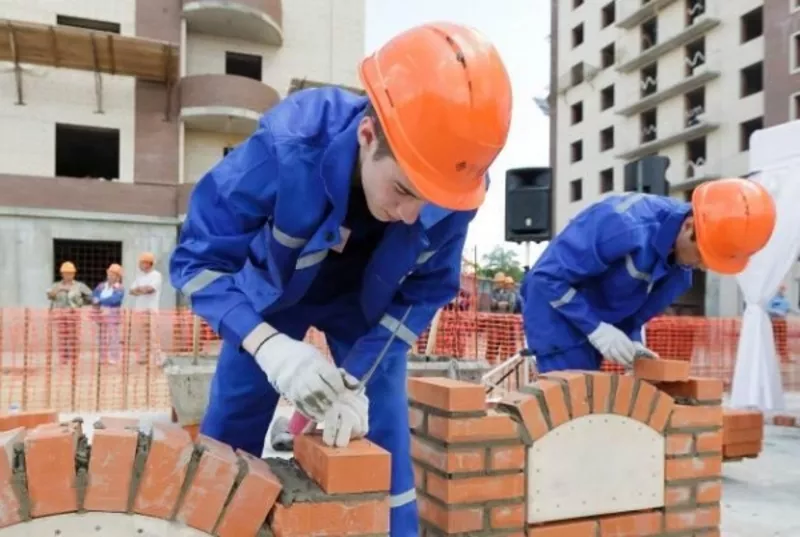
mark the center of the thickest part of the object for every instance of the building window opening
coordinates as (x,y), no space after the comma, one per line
(88,24)
(608,15)
(576,111)
(607,180)
(649,34)
(91,258)
(752,24)
(747,129)
(607,56)
(576,190)
(576,151)
(607,97)
(695,102)
(694,10)
(695,56)
(87,152)
(649,80)
(752,79)
(607,139)
(696,158)
(577,35)
(246,65)
(649,125)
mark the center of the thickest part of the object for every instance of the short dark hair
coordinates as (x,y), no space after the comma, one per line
(383,150)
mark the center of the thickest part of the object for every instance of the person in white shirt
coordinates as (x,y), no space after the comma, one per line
(146,296)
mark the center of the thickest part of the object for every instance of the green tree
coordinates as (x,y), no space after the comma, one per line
(501,260)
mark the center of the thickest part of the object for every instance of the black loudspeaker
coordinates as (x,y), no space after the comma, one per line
(529,204)
(648,175)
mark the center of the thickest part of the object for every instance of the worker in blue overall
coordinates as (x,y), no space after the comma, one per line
(625,259)
(348,214)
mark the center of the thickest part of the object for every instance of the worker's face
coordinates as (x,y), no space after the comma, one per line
(111,276)
(67,276)
(390,195)
(686,251)
(145,266)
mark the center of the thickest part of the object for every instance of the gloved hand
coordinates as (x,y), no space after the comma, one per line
(299,372)
(613,344)
(348,418)
(644,352)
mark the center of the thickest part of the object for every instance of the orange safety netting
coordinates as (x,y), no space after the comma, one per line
(93,360)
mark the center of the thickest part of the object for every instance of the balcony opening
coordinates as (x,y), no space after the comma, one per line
(752,79)
(696,158)
(796,52)
(88,24)
(695,103)
(576,4)
(608,15)
(577,35)
(607,138)
(91,258)
(746,130)
(607,180)
(695,56)
(576,74)
(648,123)
(649,80)
(694,10)
(607,97)
(576,111)
(795,106)
(246,65)
(576,151)
(576,190)
(608,56)
(752,24)
(649,34)
(87,152)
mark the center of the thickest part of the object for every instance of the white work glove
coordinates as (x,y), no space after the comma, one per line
(644,352)
(613,344)
(300,373)
(347,418)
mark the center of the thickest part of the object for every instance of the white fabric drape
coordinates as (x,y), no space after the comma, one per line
(775,154)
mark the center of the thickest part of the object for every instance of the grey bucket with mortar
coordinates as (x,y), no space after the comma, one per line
(189,380)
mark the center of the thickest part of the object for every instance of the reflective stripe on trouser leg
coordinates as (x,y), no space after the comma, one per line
(388,427)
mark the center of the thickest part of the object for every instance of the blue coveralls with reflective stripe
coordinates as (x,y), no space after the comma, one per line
(613,263)
(261,242)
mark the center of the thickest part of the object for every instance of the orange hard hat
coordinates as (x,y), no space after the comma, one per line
(509,280)
(115,268)
(733,219)
(67,266)
(443,98)
(147,257)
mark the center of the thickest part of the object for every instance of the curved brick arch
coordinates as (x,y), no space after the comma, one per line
(472,462)
(153,479)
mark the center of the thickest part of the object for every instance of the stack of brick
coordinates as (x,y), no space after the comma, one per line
(785,420)
(743,433)
(542,463)
(157,474)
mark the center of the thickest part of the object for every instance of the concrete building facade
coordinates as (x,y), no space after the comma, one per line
(687,79)
(111,111)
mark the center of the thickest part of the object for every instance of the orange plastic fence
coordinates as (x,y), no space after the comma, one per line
(92,360)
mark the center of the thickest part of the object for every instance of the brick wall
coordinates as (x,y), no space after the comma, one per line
(571,435)
(137,477)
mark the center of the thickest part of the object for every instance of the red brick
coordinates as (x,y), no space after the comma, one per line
(710,442)
(644,402)
(447,394)
(111,465)
(529,410)
(748,449)
(679,444)
(702,517)
(677,495)
(507,458)
(507,516)
(252,501)
(367,517)
(693,468)
(784,421)
(28,419)
(476,489)
(743,419)
(584,528)
(448,460)
(709,492)
(360,467)
(50,466)
(213,480)
(601,392)
(416,419)
(494,426)
(638,524)
(701,389)
(661,370)
(419,477)
(663,411)
(684,416)
(450,520)
(623,396)
(742,436)
(554,398)
(164,471)
(9,505)
(576,388)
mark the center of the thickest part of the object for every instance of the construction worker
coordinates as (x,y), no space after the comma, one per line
(348,214)
(625,259)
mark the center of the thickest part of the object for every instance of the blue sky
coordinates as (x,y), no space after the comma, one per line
(519,31)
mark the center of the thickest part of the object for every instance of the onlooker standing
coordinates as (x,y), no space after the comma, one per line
(107,296)
(146,293)
(67,296)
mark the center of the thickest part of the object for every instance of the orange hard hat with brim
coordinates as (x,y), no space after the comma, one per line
(443,98)
(733,219)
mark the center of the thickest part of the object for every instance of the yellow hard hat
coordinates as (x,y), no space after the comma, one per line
(500,277)
(67,266)
(115,268)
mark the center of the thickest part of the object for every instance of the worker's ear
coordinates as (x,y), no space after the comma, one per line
(366,133)
(688,227)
